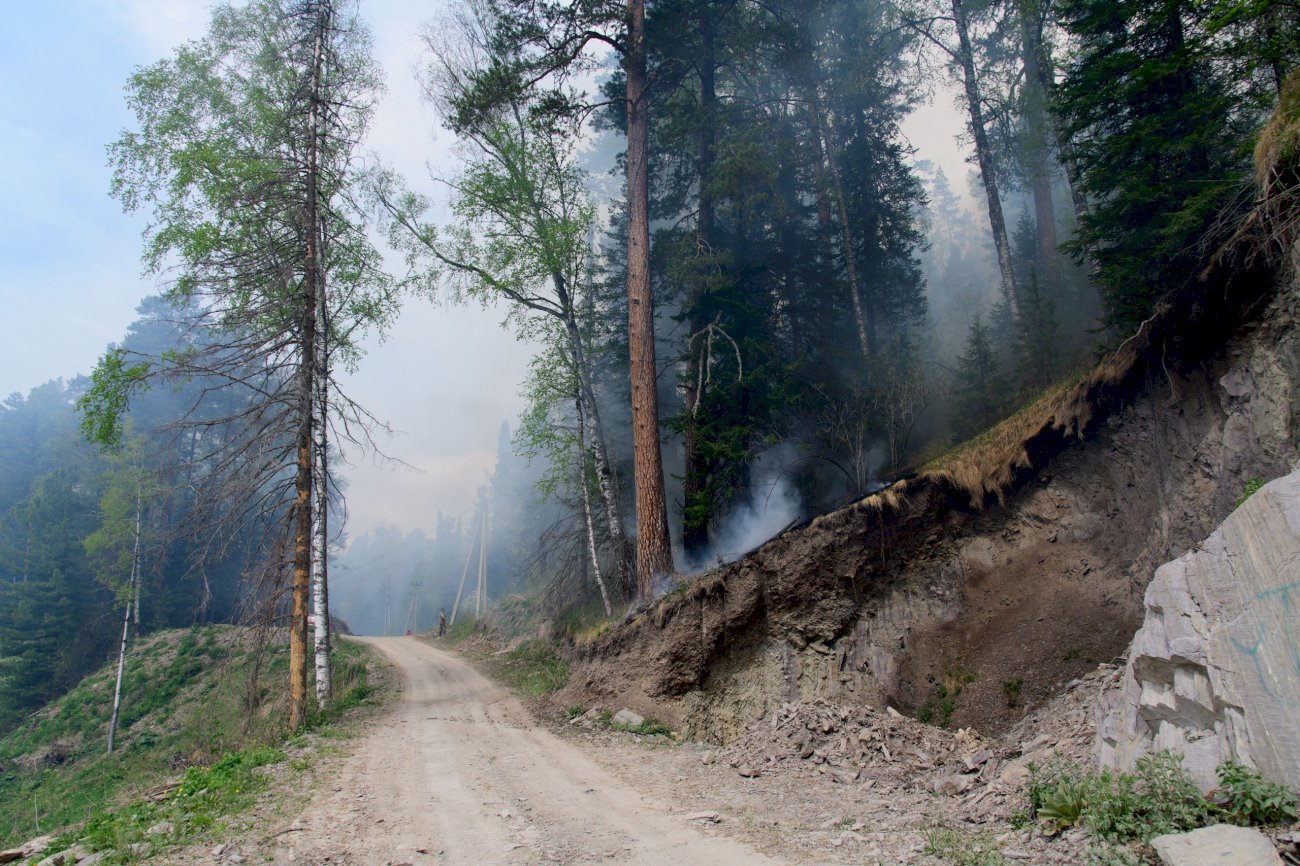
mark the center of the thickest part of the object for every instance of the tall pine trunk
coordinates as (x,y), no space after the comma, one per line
(984,155)
(824,146)
(1039,156)
(654,555)
(307,357)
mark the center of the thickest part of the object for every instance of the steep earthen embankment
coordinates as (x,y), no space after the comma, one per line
(971,592)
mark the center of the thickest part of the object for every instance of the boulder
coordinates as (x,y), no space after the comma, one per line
(1220,845)
(629,718)
(1214,672)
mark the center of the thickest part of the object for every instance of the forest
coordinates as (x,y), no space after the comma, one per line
(748,301)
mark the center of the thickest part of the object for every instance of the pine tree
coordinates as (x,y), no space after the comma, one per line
(1160,142)
(980,393)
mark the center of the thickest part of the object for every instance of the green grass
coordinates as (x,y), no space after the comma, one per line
(196,809)
(649,727)
(185,709)
(534,668)
(963,849)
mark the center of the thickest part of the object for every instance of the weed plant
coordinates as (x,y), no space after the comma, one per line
(963,849)
(1125,811)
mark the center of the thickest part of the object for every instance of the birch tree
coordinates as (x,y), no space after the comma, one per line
(115,549)
(523,229)
(243,160)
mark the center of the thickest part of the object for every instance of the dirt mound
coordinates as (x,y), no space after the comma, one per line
(851,743)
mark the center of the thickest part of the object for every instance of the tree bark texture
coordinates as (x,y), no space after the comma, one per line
(654,557)
(824,143)
(1040,146)
(605,479)
(984,155)
(321,361)
(306,468)
(585,493)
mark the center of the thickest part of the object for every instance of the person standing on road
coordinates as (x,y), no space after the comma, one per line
(442,621)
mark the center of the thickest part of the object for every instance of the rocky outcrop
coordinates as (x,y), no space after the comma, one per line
(971,607)
(1214,672)
(1219,845)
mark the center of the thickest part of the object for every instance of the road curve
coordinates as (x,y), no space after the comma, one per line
(458,773)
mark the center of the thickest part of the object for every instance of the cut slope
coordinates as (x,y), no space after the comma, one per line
(1008,566)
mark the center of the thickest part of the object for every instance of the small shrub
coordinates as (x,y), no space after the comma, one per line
(941,703)
(574,711)
(1058,794)
(1249,489)
(1247,798)
(1012,689)
(1159,797)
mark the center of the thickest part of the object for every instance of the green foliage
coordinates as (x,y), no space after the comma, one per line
(1249,489)
(112,384)
(941,703)
(1158,797)
(185,703)
(193,811)
(1011,688)
(1244,797)
(958,848)
(1161,132)
(535,668)
(981,392)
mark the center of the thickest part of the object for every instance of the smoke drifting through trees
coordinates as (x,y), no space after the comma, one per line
(830,314)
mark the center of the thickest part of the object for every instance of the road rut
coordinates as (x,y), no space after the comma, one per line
(459,773)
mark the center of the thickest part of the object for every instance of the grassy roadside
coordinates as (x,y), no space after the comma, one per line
(535,670)
(196,746)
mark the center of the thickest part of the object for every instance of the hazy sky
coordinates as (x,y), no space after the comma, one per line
(69,259)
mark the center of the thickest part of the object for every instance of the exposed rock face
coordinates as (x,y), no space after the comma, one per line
(975,615)
(1220,845)
(1214,672)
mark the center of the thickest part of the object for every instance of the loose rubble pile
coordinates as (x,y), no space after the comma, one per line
(848,745)
(866,783)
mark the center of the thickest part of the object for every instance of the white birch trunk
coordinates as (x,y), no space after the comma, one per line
(132,603)
(584,493)
(320,360)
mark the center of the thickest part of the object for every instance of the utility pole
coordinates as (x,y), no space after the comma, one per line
(480,594)
(469,555)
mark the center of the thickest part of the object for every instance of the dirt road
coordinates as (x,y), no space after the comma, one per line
(458,773)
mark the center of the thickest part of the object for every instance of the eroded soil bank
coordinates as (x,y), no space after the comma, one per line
(969,600)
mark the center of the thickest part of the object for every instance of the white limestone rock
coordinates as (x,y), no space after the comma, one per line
(1214,672)
(1220,845)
